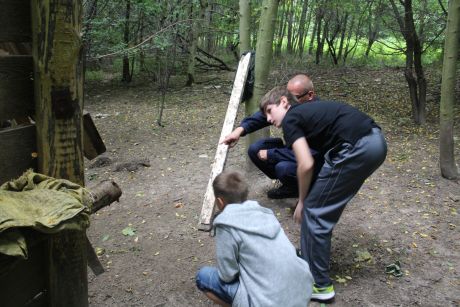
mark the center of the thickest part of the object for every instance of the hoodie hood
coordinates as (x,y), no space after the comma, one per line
(249,217)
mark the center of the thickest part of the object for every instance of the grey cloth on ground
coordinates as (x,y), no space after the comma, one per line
(252,246)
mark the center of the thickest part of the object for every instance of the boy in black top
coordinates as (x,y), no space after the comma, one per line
(353,148)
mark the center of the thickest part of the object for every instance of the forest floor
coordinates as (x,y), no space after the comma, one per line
(149,242)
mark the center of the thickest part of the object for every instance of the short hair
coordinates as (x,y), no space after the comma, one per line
(274,97)
(231,186)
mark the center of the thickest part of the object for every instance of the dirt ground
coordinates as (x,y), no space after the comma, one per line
(405,212)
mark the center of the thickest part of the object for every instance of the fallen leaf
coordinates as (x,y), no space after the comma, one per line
(129,231)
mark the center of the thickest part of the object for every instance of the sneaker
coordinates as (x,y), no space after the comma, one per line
(282,192)
(323,294)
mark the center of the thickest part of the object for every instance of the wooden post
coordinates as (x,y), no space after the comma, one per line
(57,54)
(222,149)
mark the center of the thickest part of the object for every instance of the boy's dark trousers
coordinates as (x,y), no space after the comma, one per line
(341,176)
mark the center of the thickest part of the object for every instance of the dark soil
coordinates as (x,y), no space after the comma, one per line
(405,212)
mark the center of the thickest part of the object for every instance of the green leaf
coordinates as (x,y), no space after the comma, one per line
(129,231)
(105,238)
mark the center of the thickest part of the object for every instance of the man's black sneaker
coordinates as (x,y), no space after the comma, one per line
(283,192)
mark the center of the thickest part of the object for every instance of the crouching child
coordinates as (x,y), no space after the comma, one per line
(256,263)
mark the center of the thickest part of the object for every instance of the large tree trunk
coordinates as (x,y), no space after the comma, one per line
(58,82)
(264,51)
(449,67)
(245,26)
(126,75)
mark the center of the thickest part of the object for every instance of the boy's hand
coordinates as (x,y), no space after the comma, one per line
(298,213)
(233,137)
(263,154)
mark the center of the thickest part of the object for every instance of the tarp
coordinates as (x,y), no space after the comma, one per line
(42,203)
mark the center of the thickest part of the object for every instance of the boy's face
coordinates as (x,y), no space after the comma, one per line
(275,113)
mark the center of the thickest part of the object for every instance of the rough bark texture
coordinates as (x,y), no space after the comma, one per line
(264,53)
(245,26)
(446,133)
(57,50)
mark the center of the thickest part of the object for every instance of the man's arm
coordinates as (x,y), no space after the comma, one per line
(305,165)
(248,125)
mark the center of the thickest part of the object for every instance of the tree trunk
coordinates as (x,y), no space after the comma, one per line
(319,39)
(193,42)
(245,26)
(342,36)
(290,25)
(301,34)
(58,82)
(313,34)
(264,50)
(415,79)
(281,30)
(126,75)
(449,67)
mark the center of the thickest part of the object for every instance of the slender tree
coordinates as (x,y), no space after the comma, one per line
(413,72)
(126,75)
(245,26)
(449,67)
(264,51)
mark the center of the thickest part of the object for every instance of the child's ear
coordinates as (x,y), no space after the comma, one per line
(284,102)
(220,203)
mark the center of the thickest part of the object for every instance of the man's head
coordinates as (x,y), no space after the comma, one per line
(301,86)
(275,104)
(230,188)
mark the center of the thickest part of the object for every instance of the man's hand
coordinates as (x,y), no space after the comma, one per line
(233,137)
(298,213)
(263,154)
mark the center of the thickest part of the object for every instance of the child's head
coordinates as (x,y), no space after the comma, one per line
(276,103)
(273,97)
(230,188)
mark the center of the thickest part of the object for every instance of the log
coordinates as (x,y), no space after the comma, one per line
(103,194)
(207,209)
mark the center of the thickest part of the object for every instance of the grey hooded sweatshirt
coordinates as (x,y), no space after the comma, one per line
(252,246)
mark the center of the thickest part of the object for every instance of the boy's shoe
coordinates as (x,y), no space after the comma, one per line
(323,294)
(282,192)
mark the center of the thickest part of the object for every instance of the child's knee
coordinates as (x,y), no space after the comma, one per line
(202,277)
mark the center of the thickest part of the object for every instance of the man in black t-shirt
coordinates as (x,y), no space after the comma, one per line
(353,147)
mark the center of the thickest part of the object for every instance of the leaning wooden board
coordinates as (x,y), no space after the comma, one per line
(207,209)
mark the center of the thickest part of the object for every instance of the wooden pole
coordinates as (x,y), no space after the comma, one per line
(222,149)
(57,54)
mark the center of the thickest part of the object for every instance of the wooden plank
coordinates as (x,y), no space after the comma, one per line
(207,209)
(15,21)
(93,145)
(16,148)
(16,86)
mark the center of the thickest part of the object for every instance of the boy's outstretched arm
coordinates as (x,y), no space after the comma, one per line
(305,163)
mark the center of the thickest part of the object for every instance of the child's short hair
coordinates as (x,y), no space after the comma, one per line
(274,97)
(231,186)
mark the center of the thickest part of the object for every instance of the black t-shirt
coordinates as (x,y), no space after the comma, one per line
(325,124)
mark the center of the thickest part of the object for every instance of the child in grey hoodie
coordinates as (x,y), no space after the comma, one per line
(256,263)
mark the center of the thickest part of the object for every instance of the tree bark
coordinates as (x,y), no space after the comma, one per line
(58,79)
(449,67)
(193,42)
(245,26)
(126,75)
(413,72)
(264,51)
(301,34)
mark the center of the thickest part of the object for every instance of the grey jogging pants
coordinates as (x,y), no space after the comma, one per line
(343,173)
